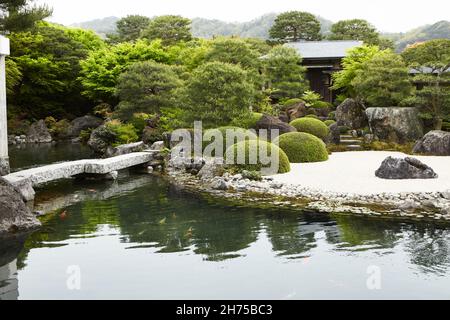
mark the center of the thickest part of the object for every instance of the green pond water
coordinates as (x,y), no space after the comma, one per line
(143,238)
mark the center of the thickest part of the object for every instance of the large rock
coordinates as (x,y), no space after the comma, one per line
(125,149)
(83,123)
(296,111)
(272,123)
(408,168)
(38,133)
(14,214)
(395,124)
(100,139)
(212,168)
(351,114)
(434,143)
(335,134)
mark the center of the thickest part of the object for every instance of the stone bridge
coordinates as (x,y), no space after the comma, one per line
(26,180)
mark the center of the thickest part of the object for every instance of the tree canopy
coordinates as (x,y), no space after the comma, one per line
(294,26)
(284,73)
(170,29)
(217,93)
(130,28)
(383,81)
(146,87)
(20,15)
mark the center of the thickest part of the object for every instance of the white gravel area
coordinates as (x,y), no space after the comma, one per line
(354,172)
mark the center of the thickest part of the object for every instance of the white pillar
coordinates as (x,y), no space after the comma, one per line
(4,158)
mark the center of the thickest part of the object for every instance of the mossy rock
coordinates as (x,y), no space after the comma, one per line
(329,122)
(301,147)
(250,121)
(254,161)
(239,135)
(312,126)
(314,116)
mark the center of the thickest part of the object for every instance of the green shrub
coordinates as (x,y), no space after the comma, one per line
(245,147)
(125,133)
(85,135)
(251,175)
(302,147)
(321,105)
(241,135)
(312,126)
(58,129)
(344,129)
(329,122)
(247,122)
(291,102)
(446,126)
(139,121)
(332,115)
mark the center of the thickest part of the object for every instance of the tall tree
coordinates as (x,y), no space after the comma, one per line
(20,15)
(294,26)
(351,64)
(383,81)
(358,29)
(146,87)
(431,62)
(217,93)
(170,29)
(284,73)
(131,27)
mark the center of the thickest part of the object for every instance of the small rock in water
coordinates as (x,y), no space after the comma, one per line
(219,185)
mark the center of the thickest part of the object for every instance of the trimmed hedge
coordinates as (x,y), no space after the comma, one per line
(241,135)
(312,126)
(245,147)
(302,147)
(329,122)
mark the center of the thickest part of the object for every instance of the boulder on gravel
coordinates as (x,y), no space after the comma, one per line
(408,168)
(268,122)
(15,216)
(434,143)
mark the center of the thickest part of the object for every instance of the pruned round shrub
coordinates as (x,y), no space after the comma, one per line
(291,102)
(237,135)
(257,155)
(312,126)
(329,122)
(302,147)
(314,116)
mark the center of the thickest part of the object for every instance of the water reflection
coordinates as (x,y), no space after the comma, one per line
(146,213)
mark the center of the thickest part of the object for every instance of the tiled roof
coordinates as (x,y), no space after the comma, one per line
(324,49)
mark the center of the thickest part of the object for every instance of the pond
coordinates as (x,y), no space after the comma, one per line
(142,238)
(31,155)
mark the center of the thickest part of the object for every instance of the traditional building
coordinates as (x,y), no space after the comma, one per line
(322,58)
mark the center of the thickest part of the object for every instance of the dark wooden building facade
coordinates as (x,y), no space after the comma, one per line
(322,58)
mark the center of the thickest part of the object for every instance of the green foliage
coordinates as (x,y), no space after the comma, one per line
(235,133)
(312,126)
(302,147)
(131,27)
(234,51)
(217,93)
(329,122)
(253,149)
(139,121)
(58,129)
(13,76)
(85,135)
(358,29)
(314,116)
(48,58)
(431,60)
(311,98)
(351,64)
(146,87)
(170,29)
(191,54)
(19,15)
(284,73)
(101,70)
(291,102)
(124,133)
(251,175)
(383,81)
(293,26)
(249,121)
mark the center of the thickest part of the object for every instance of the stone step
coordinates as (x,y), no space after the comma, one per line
(353,147)
(350,142)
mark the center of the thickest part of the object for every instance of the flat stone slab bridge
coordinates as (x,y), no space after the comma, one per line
(107,168)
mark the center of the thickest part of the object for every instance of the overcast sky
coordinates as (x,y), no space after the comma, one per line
(386,15)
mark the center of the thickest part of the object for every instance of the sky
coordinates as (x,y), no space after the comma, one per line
(386,15)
